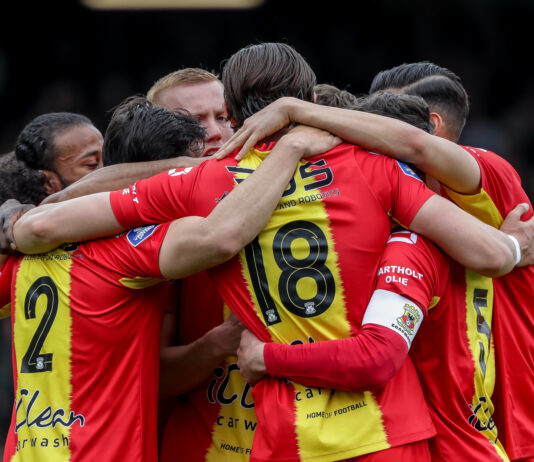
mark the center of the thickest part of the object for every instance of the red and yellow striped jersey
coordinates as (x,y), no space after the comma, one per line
(307,277)
(453,350)
(86,321)
(513,314)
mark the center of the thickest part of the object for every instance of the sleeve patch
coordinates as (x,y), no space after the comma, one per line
(406,169)
(395,312)
(138,235)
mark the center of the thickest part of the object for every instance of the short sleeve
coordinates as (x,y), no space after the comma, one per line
(135,254)
(158,199)
(413,267)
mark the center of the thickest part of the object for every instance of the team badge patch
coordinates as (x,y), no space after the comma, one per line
(138,235)
(406,169)
(409,319)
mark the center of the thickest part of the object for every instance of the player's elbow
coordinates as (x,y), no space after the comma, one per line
(497,261)
(232,238)
(34,234)
(379,375)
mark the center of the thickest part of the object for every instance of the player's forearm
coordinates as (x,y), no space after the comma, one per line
(467,240)
(46,227)
(247,209)
(119,176)
(183,368)
(437,157)
(367,361)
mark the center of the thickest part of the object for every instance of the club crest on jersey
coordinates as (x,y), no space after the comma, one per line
(409,319)
(138,235)
(407,170)
(271,316)
(309,308)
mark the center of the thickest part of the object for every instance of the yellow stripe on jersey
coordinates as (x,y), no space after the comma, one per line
(349,422)
(479,205)
(139,282)
(42,336)
(293,277)
(233,431)
(479,314)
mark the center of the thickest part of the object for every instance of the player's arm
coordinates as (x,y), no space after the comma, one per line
(471,242)
(119,176)
(49,229)
(46,227)
(371,358)
(365,362)
(185,367)
(442,159)
(88,217)
(193,244)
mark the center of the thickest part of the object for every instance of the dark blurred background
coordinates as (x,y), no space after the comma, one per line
(63,56)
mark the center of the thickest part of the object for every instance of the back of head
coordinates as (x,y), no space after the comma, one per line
(441,88)
(35,144)
(259,74)
(411,109)
(139,131)
(186,76)
(17,181)
(330,95)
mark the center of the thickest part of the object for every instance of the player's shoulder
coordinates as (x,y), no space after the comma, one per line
(485,156)
(495,166)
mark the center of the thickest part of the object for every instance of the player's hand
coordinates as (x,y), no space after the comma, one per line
(307,141)
(10,211)
(228,335)
(250,358)
(523,231)
(263,123)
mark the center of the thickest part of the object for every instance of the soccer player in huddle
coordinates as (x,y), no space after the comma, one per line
(86,318)
(308,276)
(495,188)
(460,364)
(202,391)
(485,185)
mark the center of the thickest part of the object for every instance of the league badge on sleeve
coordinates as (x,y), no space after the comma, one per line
(138,235)
(407,170)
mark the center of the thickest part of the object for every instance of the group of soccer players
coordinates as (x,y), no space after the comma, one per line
(383,322)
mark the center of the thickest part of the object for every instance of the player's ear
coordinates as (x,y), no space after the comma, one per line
(52,183)
(314,97)
(232,121)
(437,122)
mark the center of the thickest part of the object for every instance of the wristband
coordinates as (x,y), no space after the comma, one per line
(517,249)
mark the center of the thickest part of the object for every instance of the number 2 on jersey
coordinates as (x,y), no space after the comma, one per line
(34,360)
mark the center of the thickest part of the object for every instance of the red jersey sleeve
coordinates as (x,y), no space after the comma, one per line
(136,252)
(413,267)
(395,185)
(161,198)
(364,362)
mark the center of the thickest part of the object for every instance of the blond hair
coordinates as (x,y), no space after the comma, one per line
(186,76)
